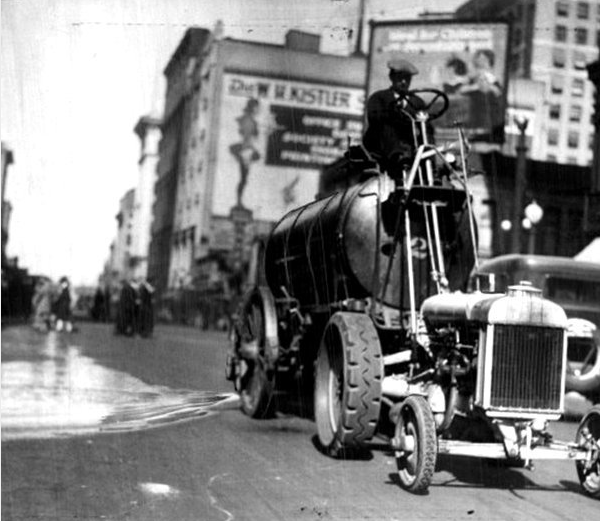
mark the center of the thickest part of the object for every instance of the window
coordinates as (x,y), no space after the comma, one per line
(583,10)
(591,141)
(577,87)
(557,84)
(553,136)
(572,160)
(560,33)
(579,61)
(562,9)
(581,35)
(551,158)
(573,139)
(554,111)
(559,58)
(575,113)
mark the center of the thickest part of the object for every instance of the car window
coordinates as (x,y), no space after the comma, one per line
(488,282)
(573,290)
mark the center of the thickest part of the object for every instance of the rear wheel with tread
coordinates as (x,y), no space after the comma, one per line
(348,377)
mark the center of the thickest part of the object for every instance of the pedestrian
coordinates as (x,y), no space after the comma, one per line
(390,136)
(42,305)
(146,308)
(126,320)
(63,305)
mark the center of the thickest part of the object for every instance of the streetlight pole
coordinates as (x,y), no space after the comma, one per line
(534,214)
(520,181)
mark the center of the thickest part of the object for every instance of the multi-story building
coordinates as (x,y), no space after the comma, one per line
(118,266)
(552,41)
(172,151)
(148,130)
(254,124)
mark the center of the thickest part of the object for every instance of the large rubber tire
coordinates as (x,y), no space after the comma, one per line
(588,436)
(416,466)
(348,377)
(255,381)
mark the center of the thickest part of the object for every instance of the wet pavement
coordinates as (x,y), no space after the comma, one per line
(80,442)
(54,390)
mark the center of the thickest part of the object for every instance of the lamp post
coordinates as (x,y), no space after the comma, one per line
(520,182)
(533,215)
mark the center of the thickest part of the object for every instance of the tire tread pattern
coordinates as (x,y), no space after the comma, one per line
(363,374)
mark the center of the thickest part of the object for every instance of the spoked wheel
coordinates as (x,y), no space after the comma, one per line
(588,437)
(348,376)
(416,443)
(255,381)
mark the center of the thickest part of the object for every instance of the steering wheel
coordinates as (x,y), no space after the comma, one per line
(434,96)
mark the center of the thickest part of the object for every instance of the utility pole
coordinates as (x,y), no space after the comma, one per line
(359,30)
(520,182)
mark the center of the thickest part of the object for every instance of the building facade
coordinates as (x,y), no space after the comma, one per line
(148,130)
(172,152)
(256,123)
(119,266)
(551,41)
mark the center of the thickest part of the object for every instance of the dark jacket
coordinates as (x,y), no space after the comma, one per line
(389,133)
(62,306)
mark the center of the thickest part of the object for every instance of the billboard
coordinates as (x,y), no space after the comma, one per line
(466,60)
(274,137)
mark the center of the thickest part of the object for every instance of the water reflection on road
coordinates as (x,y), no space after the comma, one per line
(62,393)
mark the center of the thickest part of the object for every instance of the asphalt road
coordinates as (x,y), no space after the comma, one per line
(218,465)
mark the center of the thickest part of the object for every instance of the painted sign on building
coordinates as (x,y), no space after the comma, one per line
(467,61)
(274,137)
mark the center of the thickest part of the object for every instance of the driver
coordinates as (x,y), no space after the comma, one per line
(389,136)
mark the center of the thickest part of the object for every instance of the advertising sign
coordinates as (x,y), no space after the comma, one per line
(274,137)
(466,60)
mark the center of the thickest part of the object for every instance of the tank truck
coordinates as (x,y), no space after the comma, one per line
(364,292)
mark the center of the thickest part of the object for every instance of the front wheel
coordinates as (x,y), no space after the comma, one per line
(415,442)
(588,438)
(348,376)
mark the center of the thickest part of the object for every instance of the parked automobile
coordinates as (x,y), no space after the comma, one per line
(575,286)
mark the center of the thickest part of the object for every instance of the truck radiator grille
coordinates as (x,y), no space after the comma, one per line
(527,368)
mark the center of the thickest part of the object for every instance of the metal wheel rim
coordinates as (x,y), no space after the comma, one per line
(589,469)
(333,391)
(407,462)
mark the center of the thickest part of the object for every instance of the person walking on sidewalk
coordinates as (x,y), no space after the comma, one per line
(62,307)
(42,305)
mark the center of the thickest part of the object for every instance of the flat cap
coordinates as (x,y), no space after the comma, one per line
(402,65)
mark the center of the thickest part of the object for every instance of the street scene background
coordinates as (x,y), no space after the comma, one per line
(149,148)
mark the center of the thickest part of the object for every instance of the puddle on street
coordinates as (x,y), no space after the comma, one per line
(65,393)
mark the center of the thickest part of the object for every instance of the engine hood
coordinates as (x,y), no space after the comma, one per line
(522,304)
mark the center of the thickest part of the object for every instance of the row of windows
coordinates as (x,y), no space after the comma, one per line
(553,159)
(581,34)
(557,86)
(578,59)
(573,138)
(582,10)
(575,112)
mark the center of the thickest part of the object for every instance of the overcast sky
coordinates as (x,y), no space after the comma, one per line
(76,76)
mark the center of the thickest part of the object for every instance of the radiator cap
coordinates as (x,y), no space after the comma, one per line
(523,289)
